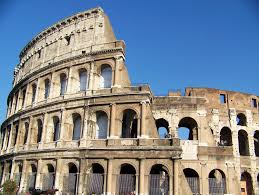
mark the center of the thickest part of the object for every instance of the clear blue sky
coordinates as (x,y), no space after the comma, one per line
(171,44)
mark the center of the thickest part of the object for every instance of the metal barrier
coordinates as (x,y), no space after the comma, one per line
(70,183)
(48,181)
(17,178)
(158,184)
(194,184)
(95,183)
(31,180)
(126,184)
(217,187)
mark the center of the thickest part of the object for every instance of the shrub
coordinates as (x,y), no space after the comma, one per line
(9,187)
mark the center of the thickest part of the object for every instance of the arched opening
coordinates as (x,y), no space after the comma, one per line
(32,177)
(225,137)
(193,180)
(56,125)
(34,89)
(83,79)
(18,174)
(47,88)
(40,128)
(217,182)
(48,177)
(101,125)
(158,180)
(72,179)
(246,184)
(63,83)
(127,179)
(243,143)
(95,180)
(2,172)
(188,129)
(129,124)
(256,143)
(76,126)
(26,126)
(162,128)
(106,76)
(241,119)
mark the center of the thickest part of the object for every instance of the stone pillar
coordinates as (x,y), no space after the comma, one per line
(204,179)
(28,141)
(91,76)
(69,81)
(142,176)
(85,127)
(195,133)
(81,177)
(12,168)
(143,119)
(118,61)
(23,176)
(58,175)
(26,97)
(37,92)
(10,137)
(19,133)
(113,133)
(38,176)
(176,178)
(62,125)
(251,143)
(109,177)
(44,130)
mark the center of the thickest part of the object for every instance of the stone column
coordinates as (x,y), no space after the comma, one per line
(62,125)
(37,92)
(10,137)
(85,127)
(91,76)
(204,179)
(12,168)
(44,129)
(250,135)
(58,175)
(143,119)
(69,81)
(109,177)
(28,141)
(142,176)
(118,61)
(23,176)
(26,97)
(176,178)
(113,133)
(18,141)
(38,176)
(81,177)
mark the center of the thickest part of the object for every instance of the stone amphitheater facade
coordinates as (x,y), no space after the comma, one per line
(75,123)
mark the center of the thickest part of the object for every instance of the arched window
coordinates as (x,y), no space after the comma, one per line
(34,89)
(95,181)
(127,179)
(158,180)
(18,174)
(217,182)
(26,126)
(243,143)
(63,83)
(225,137)
(192,178)
(76,126)
(162,128)
(241,119)
(246,183)
(48,177)
(47,88)
(56,124)
(188,129)
(101,125)
(40,128)
(129,124)
(83,79)
(256,143)
(106,76)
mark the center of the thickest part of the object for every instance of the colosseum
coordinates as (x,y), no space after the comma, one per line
(75,123)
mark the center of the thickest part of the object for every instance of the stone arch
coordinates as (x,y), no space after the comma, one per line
(95,180)
(101,125)
(225,137)
(158,179)
(217,182)
(18,173)
(188,126)
(243,143)
(70,181)
(77,126)
(62,83)
(48,176)
(46,88)
(193,180)
(26,131)
(241,119)
(256,143)
(56,128)
(106,76)
(83,79)
(33,91)
(39,130)
(127,179)
(32,172)
(247,183)
(162,128)
(129,124)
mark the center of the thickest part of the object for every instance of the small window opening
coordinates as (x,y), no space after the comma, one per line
(188,129)
(162,128)
(254,103)
(23,97)
(39,54)
(68,38)
(83,52)
(222,98)
(241,119)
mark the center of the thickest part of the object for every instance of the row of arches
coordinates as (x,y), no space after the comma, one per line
(59,85)
(217,182)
